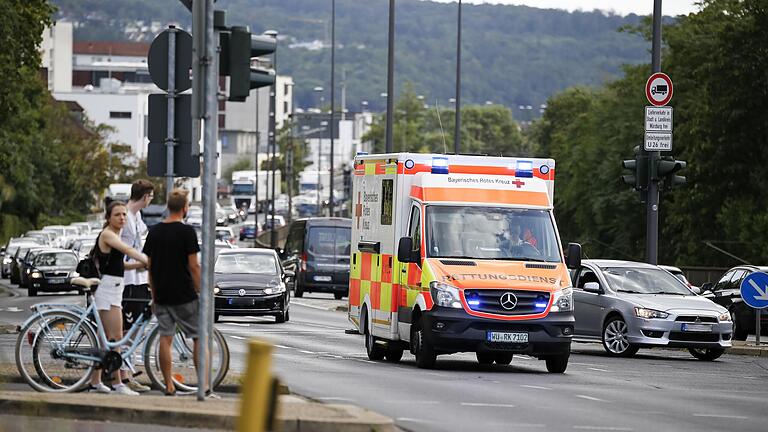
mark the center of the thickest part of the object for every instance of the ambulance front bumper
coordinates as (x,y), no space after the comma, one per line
(454,330)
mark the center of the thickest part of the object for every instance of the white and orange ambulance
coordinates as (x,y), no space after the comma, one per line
(455,253)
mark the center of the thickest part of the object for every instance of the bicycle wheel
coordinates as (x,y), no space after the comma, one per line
(45,362)
(182,361)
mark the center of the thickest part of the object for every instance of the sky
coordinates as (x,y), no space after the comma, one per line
(620,7)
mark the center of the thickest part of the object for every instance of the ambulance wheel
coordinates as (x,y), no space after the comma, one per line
(424,352)
(374,351)
(557,363)
(394,353)
(338,296)
(503,358)
(485,358)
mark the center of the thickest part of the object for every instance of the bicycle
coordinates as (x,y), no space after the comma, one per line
(60,345)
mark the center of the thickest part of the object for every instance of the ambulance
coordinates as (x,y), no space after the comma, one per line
(456,253)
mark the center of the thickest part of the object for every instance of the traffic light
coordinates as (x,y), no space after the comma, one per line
(639,167)
(238,48)
(666,167)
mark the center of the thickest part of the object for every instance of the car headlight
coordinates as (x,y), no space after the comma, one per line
(563,301)
(275,289)
(36,275)
(216,290)
(445,295)
(6,261)
(724,317)
(650,313)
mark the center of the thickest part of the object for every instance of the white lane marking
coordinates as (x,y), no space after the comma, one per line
(236,337)
(583,364)
(13,309)
(605,428)
(239,324)
(590,398)
(285,347)
(725,416)
(492,405)
(294,302)
(412,402)
(307,352)
(598,369)
(535,387)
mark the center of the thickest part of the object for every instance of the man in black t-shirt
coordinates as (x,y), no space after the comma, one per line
(174,279)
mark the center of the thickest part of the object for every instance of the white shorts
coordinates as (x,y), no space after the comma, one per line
(109,293)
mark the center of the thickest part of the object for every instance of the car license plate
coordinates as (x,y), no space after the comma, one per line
(240,301)
(56,281)
(322,278)
(697,328)
(507,337)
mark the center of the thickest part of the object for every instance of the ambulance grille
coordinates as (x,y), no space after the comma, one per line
(490,301)
(459,263)
(541,266)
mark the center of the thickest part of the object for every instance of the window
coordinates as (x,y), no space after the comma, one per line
(585,276)
(387,195)
(415,228)
(295,242)
(120,114)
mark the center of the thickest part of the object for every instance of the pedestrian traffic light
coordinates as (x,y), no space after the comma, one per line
(238,50)
(666,167)
(639,167)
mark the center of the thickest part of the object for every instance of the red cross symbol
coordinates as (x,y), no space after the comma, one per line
(358,210)
(518,183)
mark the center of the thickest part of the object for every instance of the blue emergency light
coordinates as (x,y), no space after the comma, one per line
(524,169)
(439,165)
(473,302)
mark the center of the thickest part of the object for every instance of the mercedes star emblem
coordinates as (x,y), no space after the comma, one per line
(242,292)
(508,300)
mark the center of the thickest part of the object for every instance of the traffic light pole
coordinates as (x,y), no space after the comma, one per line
(390,78)
(652,204)
(170,140)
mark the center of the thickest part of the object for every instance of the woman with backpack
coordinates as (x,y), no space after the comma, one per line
(110,252)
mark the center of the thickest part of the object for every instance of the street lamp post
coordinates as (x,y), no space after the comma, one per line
(457,126)
(273,141)
(333,106)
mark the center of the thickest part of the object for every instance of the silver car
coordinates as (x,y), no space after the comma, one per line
(629,305)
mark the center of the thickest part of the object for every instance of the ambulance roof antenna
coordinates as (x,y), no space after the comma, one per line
(437,108)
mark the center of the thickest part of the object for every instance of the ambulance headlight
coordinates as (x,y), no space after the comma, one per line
(445,295)
(563,301)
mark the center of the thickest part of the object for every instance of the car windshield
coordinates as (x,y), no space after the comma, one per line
(56,259)
(243,189)
(644,281)
(329,241)
(250,263)
(491,233)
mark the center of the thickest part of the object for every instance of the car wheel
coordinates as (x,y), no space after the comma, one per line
(394,353)
(287,315)
(32,292)
(503,358)
(374,351)
(280,318)
(706,354)
(338,296)
(740,332)
(485,358)
(424,352)
(298,291)
(615,339)
(557,363)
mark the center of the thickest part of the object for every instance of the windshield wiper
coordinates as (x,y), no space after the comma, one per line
(629,291)
(667,292)
(520,259)
(456,257)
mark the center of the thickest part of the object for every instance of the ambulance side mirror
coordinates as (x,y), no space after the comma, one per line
(405,252)
(573,260)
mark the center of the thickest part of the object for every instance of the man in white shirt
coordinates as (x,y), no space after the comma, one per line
(136,294)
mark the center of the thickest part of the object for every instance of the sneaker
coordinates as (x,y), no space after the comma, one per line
(123,389)
(210,395)
(137,386)
(99,388)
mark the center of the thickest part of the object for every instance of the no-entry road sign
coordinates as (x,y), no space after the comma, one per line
(658,89)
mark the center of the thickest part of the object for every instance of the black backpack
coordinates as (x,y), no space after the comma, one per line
(88,267)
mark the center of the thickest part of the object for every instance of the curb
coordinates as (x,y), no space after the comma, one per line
(295,414)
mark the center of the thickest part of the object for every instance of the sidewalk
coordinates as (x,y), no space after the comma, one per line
(294,413)
(749,348)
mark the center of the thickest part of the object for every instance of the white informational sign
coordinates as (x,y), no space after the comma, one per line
(658,141)
(658,119)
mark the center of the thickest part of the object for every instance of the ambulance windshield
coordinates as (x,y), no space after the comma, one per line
(491,233)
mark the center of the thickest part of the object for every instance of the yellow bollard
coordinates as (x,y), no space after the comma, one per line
(258,389)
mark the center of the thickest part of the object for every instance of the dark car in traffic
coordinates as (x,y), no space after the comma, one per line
(9,252)
(51,271)
(251,281)
(18,260)
(248,231)
(26,265)
(727,293)
(317,251)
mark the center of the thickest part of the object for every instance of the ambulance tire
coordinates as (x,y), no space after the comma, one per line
(338,296)
(424,352)
(485,358)
(374,351)
(394,353)
(557,363)
(503,358)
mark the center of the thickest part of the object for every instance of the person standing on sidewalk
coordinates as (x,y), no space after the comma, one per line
(136,294)
(174,279)
(110,253)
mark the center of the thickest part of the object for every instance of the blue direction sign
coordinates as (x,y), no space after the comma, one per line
(754,290)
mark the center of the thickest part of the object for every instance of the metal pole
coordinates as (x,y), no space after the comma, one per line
(652,205)
(289,160)
(457,126)
(333,105)
(210,119)
(170,140)
(758,330)
(273,141)
(256,173)
(390,77)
